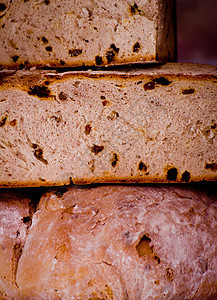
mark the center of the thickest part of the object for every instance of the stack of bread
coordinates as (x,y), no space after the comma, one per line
(108,154)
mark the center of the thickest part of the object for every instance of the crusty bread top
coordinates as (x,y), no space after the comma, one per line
(147,125)
(111,242)
(64,33)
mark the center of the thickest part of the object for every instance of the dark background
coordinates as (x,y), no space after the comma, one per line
(197,31)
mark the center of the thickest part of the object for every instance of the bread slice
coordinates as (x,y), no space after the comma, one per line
(148,125)
(73,33)
(113,242)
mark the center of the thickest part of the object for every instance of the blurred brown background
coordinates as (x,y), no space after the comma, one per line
(197,31)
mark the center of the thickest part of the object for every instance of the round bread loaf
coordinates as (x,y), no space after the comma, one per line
(118,242)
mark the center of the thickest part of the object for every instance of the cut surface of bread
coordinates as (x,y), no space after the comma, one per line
(147,125)
(87,32)
(113,242)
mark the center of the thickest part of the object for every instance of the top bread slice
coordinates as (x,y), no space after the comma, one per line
(66,33)
(147,125)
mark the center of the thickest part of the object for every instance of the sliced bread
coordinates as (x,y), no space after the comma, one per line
(73,33)
(146,125)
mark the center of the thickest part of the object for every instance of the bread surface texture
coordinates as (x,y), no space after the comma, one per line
(85,32)
(14,221)
(115,242)
(147,125)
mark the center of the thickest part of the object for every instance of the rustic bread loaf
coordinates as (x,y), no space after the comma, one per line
(73,33)
(147,125)
(113,242)
(14,221)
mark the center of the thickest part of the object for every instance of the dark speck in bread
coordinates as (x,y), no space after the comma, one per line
(162,81)
(172,174)
(40,91)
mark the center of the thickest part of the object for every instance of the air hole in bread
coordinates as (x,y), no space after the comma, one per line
(49,48)
(134,9)
(15,58)
(172,174)
(21,66)
(142,167)
(110,56)
(145,250)
(114,48)
(114,160)
(136,47)
(143,247)
(40,91)
(38,153)
(157,259)
(62,62)
(27,221)
(186,176)
(41,179)
(44,40)
(2,7)
(162,81)
(214,126)
(3,121)
(98,60)
(75,52)
(212,167)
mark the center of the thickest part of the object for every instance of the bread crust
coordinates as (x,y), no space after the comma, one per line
(147,125)
(119,242)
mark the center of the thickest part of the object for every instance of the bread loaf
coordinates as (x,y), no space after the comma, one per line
(14,221)
(64,33)
(113,242)
(147,125)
